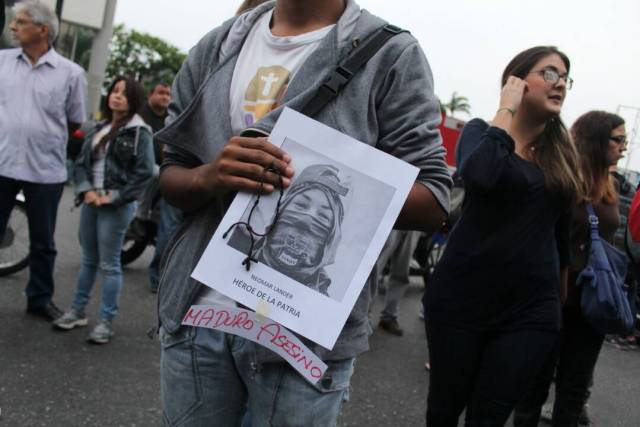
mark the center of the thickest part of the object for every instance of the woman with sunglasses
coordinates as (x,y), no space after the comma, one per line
(113,168)
(493,302)
(600,139)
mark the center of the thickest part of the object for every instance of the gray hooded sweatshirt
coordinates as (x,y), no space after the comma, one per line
(389,104)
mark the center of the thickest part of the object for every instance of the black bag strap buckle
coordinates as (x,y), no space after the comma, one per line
(338,78)
(347,68)
(393,29)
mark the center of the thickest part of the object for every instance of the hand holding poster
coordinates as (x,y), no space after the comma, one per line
(319,246)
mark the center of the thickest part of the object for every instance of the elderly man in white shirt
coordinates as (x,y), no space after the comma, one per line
(42,99)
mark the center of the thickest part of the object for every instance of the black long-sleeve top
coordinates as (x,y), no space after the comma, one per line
(501,267)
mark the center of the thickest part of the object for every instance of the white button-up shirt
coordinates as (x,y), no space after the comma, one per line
(36,102)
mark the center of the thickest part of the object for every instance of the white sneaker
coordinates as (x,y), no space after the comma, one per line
(70,320)
(102,332)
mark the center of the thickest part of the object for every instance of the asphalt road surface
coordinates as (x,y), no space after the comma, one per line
(50,378)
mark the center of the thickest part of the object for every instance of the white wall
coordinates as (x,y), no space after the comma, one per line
(89,13)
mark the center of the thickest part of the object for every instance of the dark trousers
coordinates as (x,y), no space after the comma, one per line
(170,220)
(573,361)
(42,207)
(485,372)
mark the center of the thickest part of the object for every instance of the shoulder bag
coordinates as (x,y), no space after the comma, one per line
(605,299)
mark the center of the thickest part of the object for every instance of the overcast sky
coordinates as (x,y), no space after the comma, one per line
(469,42)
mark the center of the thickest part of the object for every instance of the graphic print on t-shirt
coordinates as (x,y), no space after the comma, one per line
(264,92)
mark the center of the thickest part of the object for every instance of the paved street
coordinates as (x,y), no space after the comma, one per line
(49,378)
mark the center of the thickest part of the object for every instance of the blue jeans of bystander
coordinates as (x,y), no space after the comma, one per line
(102,231)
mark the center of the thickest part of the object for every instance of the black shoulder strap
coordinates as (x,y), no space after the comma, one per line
(347,68)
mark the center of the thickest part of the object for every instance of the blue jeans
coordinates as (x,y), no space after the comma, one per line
(211,378)
(42,208)
(102,231)
(170,219)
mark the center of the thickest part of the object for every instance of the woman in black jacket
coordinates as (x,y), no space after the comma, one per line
(600,138)
(493,302)
(111,171)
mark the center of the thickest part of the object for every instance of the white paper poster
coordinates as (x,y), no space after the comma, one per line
(332,223)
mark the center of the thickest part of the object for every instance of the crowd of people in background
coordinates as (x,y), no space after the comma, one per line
(502,307)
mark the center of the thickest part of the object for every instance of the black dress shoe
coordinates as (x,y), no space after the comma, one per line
(48,312)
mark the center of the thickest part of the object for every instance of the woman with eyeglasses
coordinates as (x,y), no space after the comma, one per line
(493,302)
(600,139)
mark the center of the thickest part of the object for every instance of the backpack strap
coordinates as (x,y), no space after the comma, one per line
(345,71)
(593,223)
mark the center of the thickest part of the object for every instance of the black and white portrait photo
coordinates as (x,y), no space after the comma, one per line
(326,220)
(301,256)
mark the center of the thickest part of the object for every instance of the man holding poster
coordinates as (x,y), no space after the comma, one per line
(227,97)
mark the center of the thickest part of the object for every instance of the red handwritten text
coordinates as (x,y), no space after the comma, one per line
(282,340)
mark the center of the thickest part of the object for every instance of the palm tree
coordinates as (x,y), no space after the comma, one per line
(443,107)
(458,103)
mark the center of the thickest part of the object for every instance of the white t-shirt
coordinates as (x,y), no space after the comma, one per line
(266,64)
(265,67)
(99,159)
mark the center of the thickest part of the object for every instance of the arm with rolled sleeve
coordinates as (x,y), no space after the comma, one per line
(408,116)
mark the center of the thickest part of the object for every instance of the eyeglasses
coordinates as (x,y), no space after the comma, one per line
(552,76)
(620,139)
(24,22)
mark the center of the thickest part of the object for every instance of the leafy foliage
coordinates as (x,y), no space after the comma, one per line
(458,103)
(147,58)
(443,107)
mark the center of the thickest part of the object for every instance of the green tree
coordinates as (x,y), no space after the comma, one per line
(443,107)
(147,58)
(458,103)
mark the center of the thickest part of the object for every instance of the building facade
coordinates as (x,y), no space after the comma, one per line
(86,27)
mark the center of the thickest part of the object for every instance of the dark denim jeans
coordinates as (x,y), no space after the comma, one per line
(485,372)
(170,219)
(573,361)
(42,209)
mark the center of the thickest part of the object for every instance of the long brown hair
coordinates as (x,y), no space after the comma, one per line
(134,92)
(591,133)
(553,150)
